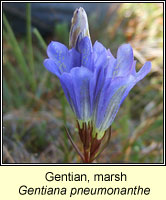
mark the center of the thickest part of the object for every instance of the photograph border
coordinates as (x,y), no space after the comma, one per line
(82,164)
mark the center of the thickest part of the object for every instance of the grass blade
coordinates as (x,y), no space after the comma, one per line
(29,41)
(40,39)
(18,53)
(7,96)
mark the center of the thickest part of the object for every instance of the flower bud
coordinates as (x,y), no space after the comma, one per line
(79,27)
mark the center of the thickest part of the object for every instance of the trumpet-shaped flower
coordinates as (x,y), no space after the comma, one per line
(94,82)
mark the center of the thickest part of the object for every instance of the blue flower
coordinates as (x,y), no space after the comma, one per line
(94,82)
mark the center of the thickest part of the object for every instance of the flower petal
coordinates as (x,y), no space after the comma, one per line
(113,94)
(104,58)
(59,53)
(85,48)
(98,48)
(124,60)
(81,77)
(143,71)
(111,57)
(57,50)
(76,89)
(74,58)
(109,101)
(133,80)
(100,55)
(52,67)
(96,84)
(67,85)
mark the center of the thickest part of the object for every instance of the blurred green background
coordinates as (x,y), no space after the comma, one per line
(35,109)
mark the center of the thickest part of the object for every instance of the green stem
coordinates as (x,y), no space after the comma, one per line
(73,144)
(29,42)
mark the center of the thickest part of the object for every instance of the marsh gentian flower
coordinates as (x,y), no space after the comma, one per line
(95,83)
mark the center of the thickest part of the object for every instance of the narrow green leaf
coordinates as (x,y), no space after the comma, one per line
(40,39)
(18,53)
(29,42)
(14,74)
(7,97)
